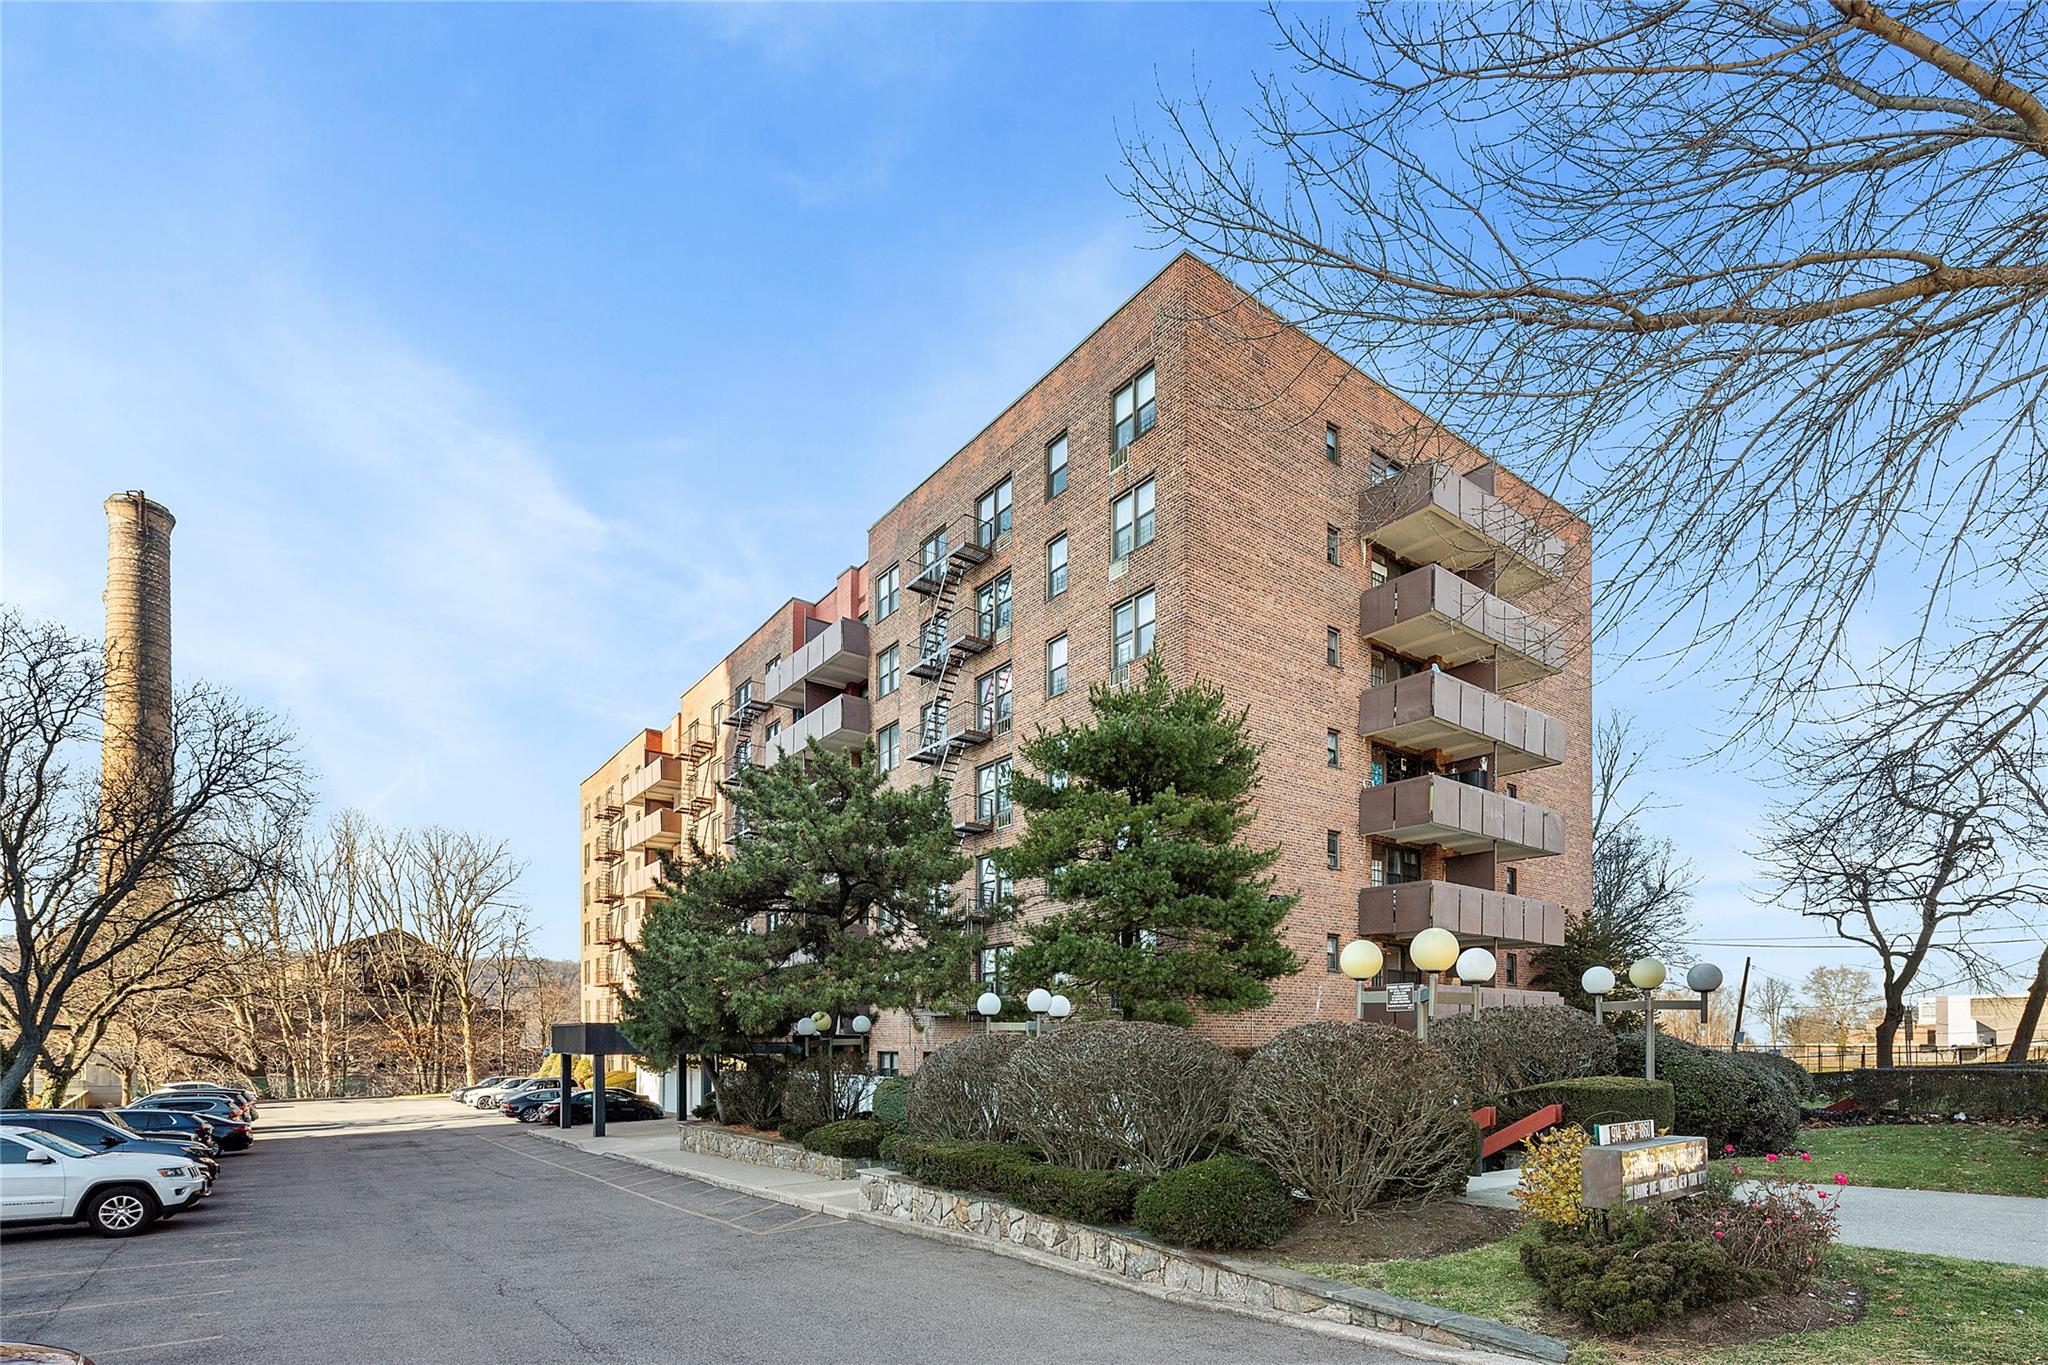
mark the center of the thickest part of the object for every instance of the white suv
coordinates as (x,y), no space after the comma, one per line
(48,1179)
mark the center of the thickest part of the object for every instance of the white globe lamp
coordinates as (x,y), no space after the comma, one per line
(1039,1001)
(861,1023)
(1597,981)
(1361,959)
(1475,964)
(1646,974)
(1060,1007)
(806,1028)
(1434,950)
(989,1005)
(1704,977)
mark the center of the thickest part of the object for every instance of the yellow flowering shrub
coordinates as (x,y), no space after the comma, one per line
(1553,1178)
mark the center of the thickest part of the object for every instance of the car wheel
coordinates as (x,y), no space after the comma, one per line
(121,1211)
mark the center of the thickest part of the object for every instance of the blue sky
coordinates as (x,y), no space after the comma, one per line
(503,364)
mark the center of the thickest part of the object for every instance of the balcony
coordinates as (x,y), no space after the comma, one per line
(1472,913)
(661,780)
(1459,819)
(836,656)
(658,830)
(1431,613)
(610,803)
(1433,712)
(608,928)
(1431,514)
(841,724)
(699,742)
(643,882)
(607,847)
(747,705)
(606,888)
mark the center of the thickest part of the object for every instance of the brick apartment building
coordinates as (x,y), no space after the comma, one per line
(1404,620)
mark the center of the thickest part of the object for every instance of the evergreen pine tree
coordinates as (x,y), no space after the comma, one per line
(1133,822)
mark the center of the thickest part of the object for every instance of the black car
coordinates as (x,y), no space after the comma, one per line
(167,1123)
(229,1130)
(98,1134)
(521,1105)
(620,1106)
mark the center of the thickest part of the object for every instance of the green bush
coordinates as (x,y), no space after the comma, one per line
(1514,1046)
(706,1108)
(1008,1171)
(1110,1095)
(1992,1091)
(1623,1274)
(1795,1077)
(848,1137)
(953,1092)
(1718,1098)
(1588,1100)
(793,1129)
(1225,1202)
(891,1103)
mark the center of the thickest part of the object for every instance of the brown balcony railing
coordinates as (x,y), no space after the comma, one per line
(657,830)
(1434,712)
(643,882)
(1405,909)
(1431,613)
(661,780)
(1431,514)
(836,656)
(1459,818)
(841,724)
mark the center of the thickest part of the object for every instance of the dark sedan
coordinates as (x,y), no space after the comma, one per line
(167,1123)
(96,1133)
(522,1105)
(620,1106)
(231,1131)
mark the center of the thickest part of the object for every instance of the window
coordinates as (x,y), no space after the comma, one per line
(1333,847)
(931,724)
(992,606)
(1512,879)
(931,555)
(995,965)
(1131,632)
(887,1064)
(1382,467)
(1134,412)
(992,792)
(1388,668)
(1056,467)
(1512,791)
(1330,447)
(1331,949)
(774,662)
(1333,545)
(888,747)
(1055,567)
(992,701)
(888,591)
(1509,959)
(931,638)
(1331,740)
(1057,779)
(743,695)
(1130,519)
(1393,866)
(888,670)
(1333,647)
(992,516)
(1056,666)
(990,886)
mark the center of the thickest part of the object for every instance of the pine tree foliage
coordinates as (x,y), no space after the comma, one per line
(836,899)
(1133,823)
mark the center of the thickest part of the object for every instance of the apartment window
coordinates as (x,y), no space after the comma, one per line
(1393,866)
(586,815)
(1056,666)
(992,701)
(1382,467)
(1131,630)
(995,965)
(1333,647)
(1331,950)
(931,724)
(1388,668)
(1512,790)
(774,729)
(888,747)
(931,637)
(992,792)
(1333,847)
(887,1064)
(992,606)
(743,695)
(931,555)
(1056,467)
(1330,447)
(990,885)
(1134,412)
(1331,740)
(1509,960)
(1333,545)
(1057,779)
(888,592)
(888,670)
(1055,567)
(1512,880)
(992,516)
(1130,518)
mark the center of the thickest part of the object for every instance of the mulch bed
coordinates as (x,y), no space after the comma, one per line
(1431,1230)
(1823,1305)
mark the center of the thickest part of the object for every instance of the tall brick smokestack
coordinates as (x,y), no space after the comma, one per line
(135,744)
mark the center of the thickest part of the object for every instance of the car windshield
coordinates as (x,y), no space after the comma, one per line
(52,1141)
(110,1117)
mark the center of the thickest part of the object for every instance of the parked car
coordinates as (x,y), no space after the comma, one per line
(524,1102)
(229,1124)
(45,1178)
(620,1106)
(461,1093)
(244,1099)
(97,1133)
(167,1123)
(493,1096)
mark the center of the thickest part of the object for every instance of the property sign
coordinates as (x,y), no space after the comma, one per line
(1639,1172)
(1401,996)
(1634,1130)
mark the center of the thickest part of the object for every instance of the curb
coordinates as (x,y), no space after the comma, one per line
(1395,1342)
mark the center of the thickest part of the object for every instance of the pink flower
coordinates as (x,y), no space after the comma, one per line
(1719,1233)
(1728,1147)
(1738,1170)
(1770,1156)
(1820,1194)
(1806,1156)
(1841,1179)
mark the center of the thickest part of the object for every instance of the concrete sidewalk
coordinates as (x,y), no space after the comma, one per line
(1971,1227)
(658,1150)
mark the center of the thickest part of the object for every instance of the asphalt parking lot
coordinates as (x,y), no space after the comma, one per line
(416,1231)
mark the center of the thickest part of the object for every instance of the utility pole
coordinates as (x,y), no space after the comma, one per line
(1741,994)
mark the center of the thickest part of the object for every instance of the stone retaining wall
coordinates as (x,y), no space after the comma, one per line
(708,1139)
(1226,1281)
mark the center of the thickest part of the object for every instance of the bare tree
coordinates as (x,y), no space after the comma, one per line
(1839,1000)
(2030,1013)
(1758,289)
(1770,1000)
(463,884)
(93,873)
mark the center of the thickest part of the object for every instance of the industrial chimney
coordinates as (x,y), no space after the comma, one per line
(135,744)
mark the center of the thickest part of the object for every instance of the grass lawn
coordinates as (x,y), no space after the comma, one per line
(1973,1158)
(1921,1308)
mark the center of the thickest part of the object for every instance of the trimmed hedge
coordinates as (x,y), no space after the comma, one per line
(1588,1100)
(1624,1274)
(1991,1091)
(1225,1202)
(1514,1046)
(1008,1171)
(891,1102)
(1796,1079)
(1718,1098)
(794,1129)
(848,1137)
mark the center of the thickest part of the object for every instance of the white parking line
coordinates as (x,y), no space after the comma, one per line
(113,1303)
(91,1269)
(589,1175)
(156,1346)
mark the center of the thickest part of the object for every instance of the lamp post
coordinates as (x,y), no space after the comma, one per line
(988,1007)
(1060,1008)
(1434,951)
(1039,1002)
(1646,975)
(1597,982)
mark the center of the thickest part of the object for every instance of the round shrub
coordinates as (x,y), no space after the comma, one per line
(848,1137)
(891,1102)
(1354,1115)
(1111,1095)
(1718,1098)
(1796,1078)
(1223,1203)
(1514,1046)
(953,1091)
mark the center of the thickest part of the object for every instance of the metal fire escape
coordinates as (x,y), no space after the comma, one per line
(747,707)
(941,654)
